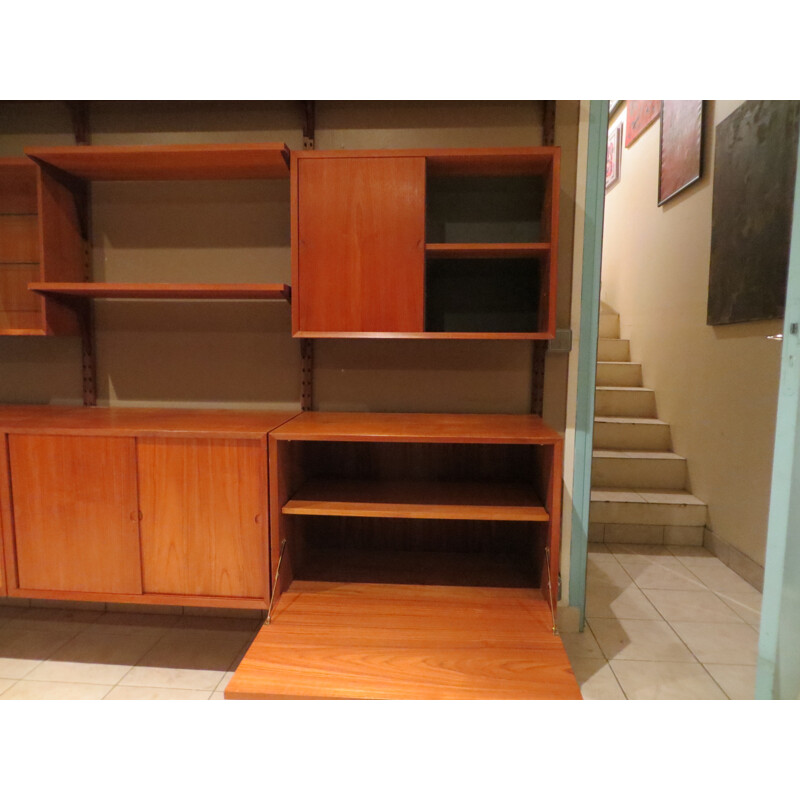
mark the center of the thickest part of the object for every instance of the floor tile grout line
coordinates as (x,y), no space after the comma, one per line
(145,653)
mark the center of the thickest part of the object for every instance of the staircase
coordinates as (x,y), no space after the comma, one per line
(639,485)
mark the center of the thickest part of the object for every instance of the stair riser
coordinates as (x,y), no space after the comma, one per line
(647,514)
(613,350)
(619,374)
(609,326)
(677,535)
(621,403)
(641,473)
(631,436)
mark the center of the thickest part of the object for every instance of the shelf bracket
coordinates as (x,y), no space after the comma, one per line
(549,123)
(79,112)
(275,584)
(85,312)
(307,385)
(309,123)
(550,591)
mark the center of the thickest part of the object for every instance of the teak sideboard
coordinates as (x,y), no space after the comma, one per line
(399,555)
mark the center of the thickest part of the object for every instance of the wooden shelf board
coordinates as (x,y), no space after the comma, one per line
(167,162)
(459,161)
(387,641)
(22,332)
(539,335)
(418,500)
(442,428)
(81,421)
(469,250)
(167,291)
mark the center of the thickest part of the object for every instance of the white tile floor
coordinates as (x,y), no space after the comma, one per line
(665,623)
(78,654)
(662,623)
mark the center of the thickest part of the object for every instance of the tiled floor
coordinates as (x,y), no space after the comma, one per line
(55,654)
(665,623)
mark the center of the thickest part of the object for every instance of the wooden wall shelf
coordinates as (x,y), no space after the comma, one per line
(167,291)
(167,162)
(418,500)
(45,252)
(471,250)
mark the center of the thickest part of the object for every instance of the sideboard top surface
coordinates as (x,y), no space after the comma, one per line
(442,428)
(78,420)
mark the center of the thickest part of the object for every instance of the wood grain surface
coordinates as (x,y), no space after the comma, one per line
(204,516)
(168,162)
(75,513)
(417,500)
(19,239)
(164,291)
(360,244)
(154,422)
(356,426)
(17,186)
(369,641)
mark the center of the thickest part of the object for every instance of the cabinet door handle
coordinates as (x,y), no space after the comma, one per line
(136,516)
(258,519)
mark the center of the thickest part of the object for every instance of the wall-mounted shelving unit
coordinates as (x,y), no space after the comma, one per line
(62,176)
(425,546)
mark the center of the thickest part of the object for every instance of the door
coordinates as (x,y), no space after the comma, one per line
(361,244)
(204,520)
(583,362)
(75,513)
(778,671)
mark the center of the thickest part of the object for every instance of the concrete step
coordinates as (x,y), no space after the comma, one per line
(613,350)
(619,373)
(624,401)
(609,326)
(631,433)
(642,507)
(644,470)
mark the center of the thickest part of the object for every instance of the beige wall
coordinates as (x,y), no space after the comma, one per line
(242,354)
(716,386)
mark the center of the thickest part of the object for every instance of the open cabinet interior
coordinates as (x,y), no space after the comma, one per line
(372,516)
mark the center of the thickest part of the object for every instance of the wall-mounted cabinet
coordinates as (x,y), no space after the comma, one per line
(418,559)
(425,243)
(136,505)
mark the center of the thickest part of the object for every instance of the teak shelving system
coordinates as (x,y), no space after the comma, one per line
(400,555)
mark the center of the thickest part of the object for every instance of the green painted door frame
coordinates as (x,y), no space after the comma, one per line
(778,670)
(587,353)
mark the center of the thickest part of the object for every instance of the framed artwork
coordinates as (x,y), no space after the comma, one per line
(613,105)
(613,153)
(755,162)
(641,115)
(681,148)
